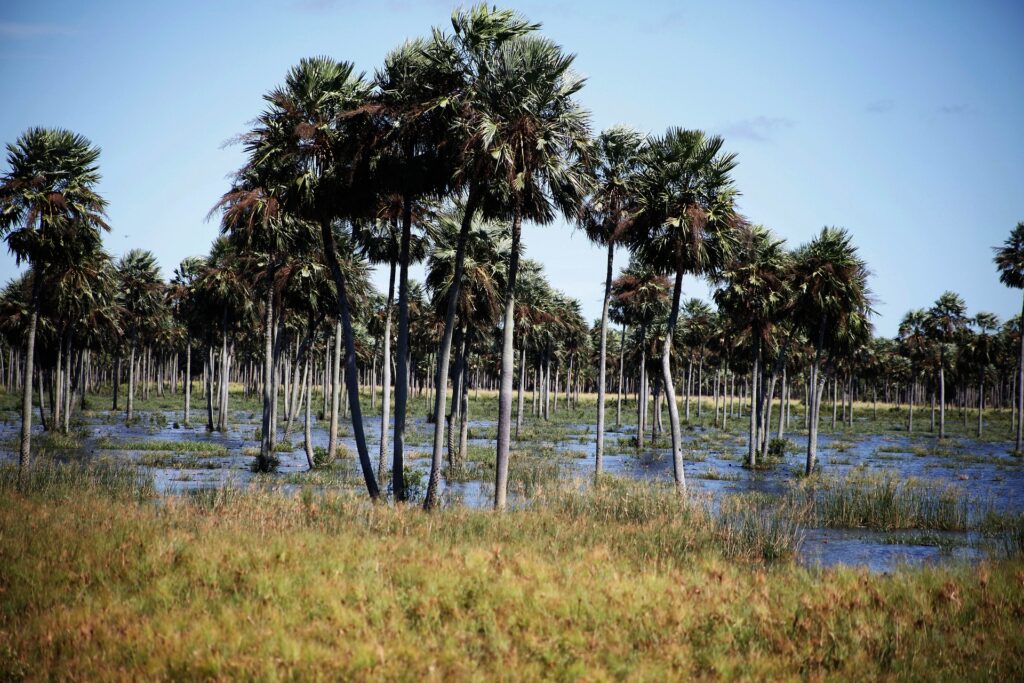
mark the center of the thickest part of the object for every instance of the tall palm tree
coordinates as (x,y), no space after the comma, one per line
(528,122)
(1009,260)
(414,160)
(832,301)
(915,346)
(606,217)
(946,322)
(313,141)
(685,226)
(50,212)
(479,39)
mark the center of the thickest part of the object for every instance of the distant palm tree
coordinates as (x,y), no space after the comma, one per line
(640,296)
(606,217)
(685,226)
(915,346)
(946,321)
(982,353)
(832,304)
(141,292)
(754,295)
(50,213)
(184,305)
(1009,260)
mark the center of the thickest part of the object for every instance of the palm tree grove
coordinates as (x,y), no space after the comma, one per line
(371,429)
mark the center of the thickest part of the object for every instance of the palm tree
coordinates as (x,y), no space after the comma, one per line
(478,305)
(685,226)
(183,296)
(50,213)
(311,142)
(1009,260)
(832,304)
(982,353)
(640,296)
(946,322)
(478,48)
(528,122)
(606,217)
(915,346)
(141,292)
(754,296)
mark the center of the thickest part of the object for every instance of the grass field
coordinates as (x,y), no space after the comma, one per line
(625,581)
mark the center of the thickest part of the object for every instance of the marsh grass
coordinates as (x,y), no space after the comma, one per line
(622,581)
(882,501)
(172,446)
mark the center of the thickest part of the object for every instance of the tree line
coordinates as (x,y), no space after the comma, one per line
(441,155)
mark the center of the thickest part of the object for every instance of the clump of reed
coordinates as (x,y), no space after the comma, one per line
(883,501)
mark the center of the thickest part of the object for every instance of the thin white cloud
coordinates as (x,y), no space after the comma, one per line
(958,109)
(758,128)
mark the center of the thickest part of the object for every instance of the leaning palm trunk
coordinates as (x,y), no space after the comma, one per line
(507,370)
(351,371)
(670,391)
(307,398)
(444,355)
(24,454)
(385,401)
(601,372)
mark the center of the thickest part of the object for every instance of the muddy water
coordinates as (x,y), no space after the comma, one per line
(984,471)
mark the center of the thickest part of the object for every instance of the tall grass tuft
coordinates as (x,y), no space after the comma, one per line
(65,481)
(884,502)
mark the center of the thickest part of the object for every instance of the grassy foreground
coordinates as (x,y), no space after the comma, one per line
(101,582)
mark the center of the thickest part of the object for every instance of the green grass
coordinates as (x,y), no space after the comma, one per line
(882,501)
(622,581)
(208,448)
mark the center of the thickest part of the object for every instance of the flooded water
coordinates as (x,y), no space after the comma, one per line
(985,472)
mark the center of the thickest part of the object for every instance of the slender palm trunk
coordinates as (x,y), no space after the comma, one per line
(385,401)
(188,380)
(814,401)
(265,462)
(222,409)
(25,451)
(351,370)
(622,367)
(599,447)
(522,381)
(670,391)
(942,397)
(1020,391)
(754,387)
(131,385)
(444,355)
(507,370)
(307,398)
(332,435)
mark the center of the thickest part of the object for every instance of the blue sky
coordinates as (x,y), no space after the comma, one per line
(900,121)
